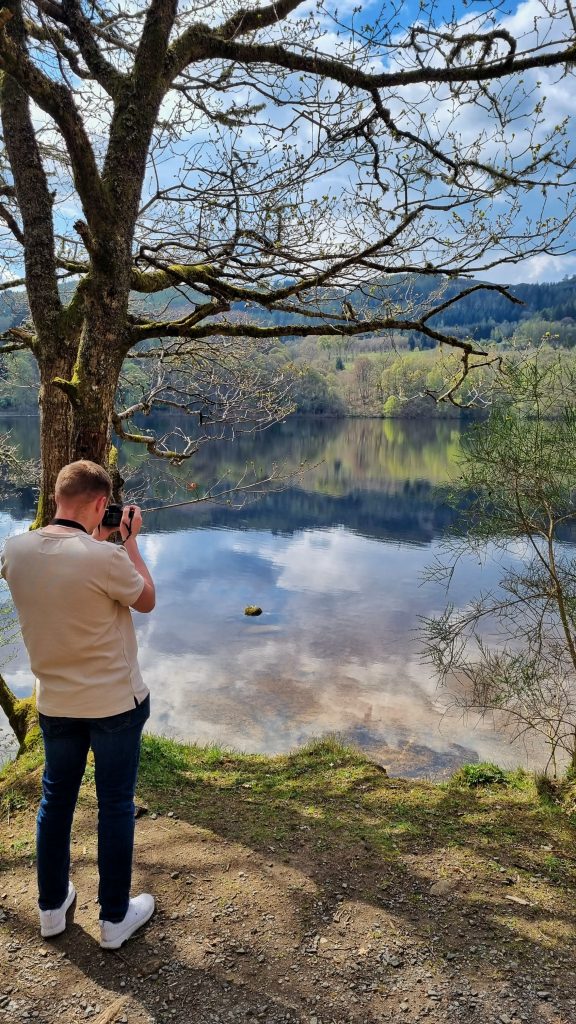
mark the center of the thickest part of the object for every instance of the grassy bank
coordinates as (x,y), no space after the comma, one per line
(334,798)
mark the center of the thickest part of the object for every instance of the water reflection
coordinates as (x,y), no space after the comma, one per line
(335,562)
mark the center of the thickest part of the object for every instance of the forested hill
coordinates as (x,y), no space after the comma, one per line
(479,313)
(486,309)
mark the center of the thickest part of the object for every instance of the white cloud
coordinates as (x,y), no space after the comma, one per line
(539,268)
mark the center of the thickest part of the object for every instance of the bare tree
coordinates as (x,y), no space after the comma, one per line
(511,652)
(366,375)
(255,160)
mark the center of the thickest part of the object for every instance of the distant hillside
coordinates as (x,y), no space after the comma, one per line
(486,309)
(477,314)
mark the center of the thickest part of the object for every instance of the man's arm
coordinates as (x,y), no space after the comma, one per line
(129,529)
(147,599)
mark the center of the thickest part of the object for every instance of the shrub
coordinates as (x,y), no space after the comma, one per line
(482,774)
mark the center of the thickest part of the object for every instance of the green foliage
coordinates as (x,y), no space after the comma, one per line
(533,332)
(19,383)
(327,380)
(392,406)
(314,393)
(484,773)
(520,463)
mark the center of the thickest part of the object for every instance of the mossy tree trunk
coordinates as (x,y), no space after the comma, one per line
(55,432)
(21,714)
(80,348)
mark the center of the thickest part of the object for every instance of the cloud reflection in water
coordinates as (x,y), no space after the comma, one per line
(334,651)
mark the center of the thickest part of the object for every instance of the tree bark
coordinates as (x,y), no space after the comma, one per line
(21,714)
(101,352)
(55,432)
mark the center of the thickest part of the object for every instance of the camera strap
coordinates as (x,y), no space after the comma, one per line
(68,522)
(130,518)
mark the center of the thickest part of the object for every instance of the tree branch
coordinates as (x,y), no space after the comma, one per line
(12,224)
(201,42)
(102,71)
(469,291)
(34,199)
(180,329)
(56,99)
(21,714)
(250,20)
(204,273)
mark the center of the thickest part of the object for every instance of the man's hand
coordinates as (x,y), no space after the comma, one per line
(131,522)
(131,515)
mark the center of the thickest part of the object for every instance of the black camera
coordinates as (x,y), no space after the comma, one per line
(112,516)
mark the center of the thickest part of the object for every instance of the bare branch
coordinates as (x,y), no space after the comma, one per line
(100,69)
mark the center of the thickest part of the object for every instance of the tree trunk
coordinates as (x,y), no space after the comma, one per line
(79,386)
(21,714)
(55,432)
(101,353)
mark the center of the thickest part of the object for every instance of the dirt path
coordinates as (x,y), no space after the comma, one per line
(305,888)
(290,936)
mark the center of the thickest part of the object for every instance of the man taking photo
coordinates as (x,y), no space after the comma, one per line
(73,596)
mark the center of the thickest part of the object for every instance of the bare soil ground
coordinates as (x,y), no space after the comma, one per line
(305,889)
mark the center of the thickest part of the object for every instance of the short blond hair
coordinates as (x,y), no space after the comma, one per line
(82,481)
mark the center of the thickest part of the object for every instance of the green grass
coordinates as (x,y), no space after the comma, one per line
(336,798)
(19,780)
(332,799)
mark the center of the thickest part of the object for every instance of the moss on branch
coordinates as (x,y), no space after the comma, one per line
(22,716)
(40,513)
(71,389)
(151,281)
(72,314)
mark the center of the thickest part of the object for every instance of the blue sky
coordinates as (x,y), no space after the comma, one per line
(540,267)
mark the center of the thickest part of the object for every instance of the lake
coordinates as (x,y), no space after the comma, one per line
(334,557)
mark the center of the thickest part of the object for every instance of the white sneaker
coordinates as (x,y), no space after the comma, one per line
(140,910)
(53,922)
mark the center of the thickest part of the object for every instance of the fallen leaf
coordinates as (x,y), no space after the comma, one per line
(111,1012)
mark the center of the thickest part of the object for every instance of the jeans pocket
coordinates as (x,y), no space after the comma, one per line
(126,720)
(144,709)
(53,727)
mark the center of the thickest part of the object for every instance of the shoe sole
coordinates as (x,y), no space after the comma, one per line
(51,933)
(116,943)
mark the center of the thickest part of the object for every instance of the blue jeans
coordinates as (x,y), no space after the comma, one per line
(115,742)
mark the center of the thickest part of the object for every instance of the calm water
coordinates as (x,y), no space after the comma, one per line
(335,560)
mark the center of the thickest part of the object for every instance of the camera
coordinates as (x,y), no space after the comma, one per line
(112,516)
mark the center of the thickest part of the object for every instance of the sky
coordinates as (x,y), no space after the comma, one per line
(519,17)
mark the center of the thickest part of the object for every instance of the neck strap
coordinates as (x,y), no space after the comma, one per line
(68,522)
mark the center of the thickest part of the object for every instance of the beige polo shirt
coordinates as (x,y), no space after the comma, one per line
(72,594)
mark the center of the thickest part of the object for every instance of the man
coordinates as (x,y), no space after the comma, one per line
(73,596)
